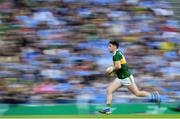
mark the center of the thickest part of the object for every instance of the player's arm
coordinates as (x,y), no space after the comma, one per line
(117,62)
(117,65)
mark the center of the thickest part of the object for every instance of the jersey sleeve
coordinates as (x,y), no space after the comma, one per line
(117,57)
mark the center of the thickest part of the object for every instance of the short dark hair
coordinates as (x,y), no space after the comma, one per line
(113,42)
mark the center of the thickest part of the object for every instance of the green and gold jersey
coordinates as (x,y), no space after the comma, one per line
(124,71)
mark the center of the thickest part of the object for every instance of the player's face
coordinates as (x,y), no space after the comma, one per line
(111,48)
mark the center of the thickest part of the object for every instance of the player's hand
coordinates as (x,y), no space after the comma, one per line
(109,70)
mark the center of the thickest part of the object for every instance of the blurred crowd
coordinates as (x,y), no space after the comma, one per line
(56,50)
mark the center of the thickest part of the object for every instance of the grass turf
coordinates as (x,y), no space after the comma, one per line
(96,116)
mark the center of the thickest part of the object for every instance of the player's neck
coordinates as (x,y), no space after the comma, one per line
(114,52)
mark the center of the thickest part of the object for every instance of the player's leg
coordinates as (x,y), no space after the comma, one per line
(109,93)
(112,87)
(134,90)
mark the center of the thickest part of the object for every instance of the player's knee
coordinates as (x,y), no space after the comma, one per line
(109,91)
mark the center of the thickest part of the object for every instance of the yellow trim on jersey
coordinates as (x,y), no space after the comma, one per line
(123,61)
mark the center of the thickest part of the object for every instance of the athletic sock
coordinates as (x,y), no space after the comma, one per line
(108,106)
(153,97)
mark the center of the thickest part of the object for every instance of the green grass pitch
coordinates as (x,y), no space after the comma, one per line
(98,116)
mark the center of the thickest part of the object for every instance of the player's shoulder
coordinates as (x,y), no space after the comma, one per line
(118,53)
